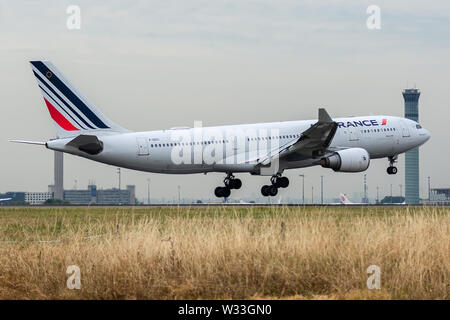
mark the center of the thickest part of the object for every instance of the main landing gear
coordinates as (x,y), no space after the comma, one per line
(392,169)
(230,182)
(277,182)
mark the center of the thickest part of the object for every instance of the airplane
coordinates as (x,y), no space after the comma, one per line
(346,201)
(5,199)
(267,149)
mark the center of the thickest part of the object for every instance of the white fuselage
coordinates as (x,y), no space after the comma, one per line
(237,148)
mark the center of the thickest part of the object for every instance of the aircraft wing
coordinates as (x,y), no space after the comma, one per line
(312,143)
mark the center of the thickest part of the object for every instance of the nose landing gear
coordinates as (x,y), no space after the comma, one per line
(392,169)
(277,182)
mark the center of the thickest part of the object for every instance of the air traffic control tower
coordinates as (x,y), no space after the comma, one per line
(411,97)
(59,175)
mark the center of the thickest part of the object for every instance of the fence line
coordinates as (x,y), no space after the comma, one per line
(96,236)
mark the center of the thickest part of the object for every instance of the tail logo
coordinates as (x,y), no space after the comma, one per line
(66,106)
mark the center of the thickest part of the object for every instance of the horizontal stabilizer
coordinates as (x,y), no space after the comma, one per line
(28,142)
(87,143)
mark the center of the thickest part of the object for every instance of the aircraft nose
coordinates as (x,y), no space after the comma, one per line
(426,135)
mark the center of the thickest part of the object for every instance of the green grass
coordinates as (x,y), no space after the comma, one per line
(51,223)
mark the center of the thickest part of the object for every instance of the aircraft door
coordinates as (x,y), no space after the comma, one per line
(142,144)
(405,132)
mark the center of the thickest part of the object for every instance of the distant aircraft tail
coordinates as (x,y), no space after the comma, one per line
(71,111)
(344,199)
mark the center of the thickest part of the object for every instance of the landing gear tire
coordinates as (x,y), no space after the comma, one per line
(282,182)
(226,192)
(232,183)
(273,190)
(392,170)
(218,192)
(279,182)
(236,183)
(276,182)
(222,192)
(265,191)
(269,191)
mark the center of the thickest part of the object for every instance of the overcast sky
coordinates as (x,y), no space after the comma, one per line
(160,64)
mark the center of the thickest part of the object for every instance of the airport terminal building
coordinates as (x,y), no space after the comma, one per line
(440,196)
(91,195)
(103,196)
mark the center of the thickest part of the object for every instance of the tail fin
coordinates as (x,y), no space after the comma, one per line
(344,199)
(71,111)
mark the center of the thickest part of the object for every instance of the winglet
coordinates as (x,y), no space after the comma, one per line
(324,116)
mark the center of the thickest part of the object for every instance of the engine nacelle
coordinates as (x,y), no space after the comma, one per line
(348,160)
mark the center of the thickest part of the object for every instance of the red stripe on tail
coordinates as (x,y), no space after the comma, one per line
(59,118)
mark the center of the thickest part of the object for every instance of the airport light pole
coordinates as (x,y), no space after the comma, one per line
(179,194)
(378,198)
(148,191)
(429,189)
(312,195)
(321,189)
(303,188)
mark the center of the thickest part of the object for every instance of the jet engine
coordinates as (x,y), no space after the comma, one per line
(348,160)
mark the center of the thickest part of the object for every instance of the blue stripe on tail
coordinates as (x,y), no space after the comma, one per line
(69,94)
(62,100)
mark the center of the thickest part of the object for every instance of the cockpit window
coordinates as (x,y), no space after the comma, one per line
(418,126)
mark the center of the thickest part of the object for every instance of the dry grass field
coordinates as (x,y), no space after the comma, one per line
(225,253)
